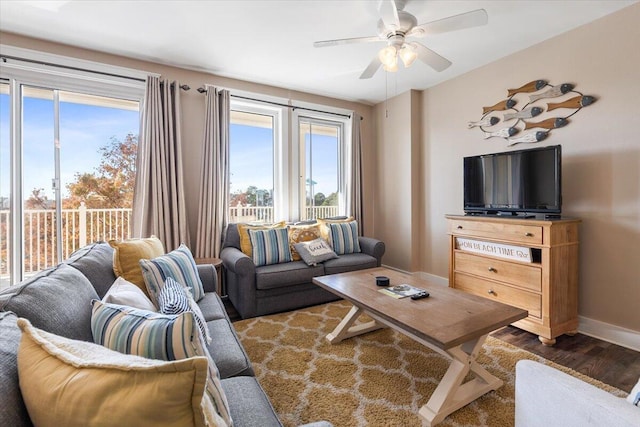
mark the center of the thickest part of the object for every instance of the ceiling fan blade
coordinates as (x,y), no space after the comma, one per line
(431,58)
(471,19)
(371,69)
(389,14)
(337,42)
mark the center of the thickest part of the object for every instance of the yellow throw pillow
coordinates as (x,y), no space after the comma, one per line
(73,383)
(302,233)
(245,241)
(128,253)
(324,227)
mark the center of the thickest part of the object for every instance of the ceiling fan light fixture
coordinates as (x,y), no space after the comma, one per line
(391,68)
(388,56)
(408,55)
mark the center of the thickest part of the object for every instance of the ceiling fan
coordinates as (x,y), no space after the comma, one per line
(396,25)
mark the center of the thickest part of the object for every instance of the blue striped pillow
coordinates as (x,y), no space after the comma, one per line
(270,246)
(179,265)
(344,237)
(156,336)
(175,298)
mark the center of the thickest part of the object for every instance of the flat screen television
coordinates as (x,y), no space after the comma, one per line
(514,182)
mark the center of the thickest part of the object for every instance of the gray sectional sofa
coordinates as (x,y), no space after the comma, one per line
(59,301)
(257,291)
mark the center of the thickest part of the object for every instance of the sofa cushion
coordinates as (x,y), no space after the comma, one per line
(212,307)
(177,264)
(156,336)
(95,261)
(124,292)
(283,275)
(324,225)
(226,350)
(14,412)
(57,300)
(343,237)
(243,232)
(72,383)
(349,262)
(128,253)
(315,251)
(270,246)
(175,298)
(302,233)
(249,406)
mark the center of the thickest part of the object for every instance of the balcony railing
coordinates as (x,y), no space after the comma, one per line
(82,226)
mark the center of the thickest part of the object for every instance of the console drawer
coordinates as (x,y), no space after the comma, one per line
(492,290)
(522,275)
(517,233)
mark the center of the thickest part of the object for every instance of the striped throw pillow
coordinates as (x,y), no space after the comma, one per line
(270,246)
(344,237)
(156,336)
(179,265)
(174,298)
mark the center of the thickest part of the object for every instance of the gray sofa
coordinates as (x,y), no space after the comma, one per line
(59,301)
(256,291)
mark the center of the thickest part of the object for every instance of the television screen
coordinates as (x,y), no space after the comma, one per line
(515,181)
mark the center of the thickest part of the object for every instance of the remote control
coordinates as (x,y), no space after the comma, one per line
(420,295)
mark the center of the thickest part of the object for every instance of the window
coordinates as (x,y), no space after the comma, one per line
(320,148)
(274,177)
(68,165)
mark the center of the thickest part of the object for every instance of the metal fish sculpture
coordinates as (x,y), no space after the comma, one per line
(575,102)
(530,137)
(502,105)
(529,87)
(488,121)
(502,133)
(553,92)
(524,114)
(552,123)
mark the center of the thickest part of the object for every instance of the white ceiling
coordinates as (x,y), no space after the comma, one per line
(271,42)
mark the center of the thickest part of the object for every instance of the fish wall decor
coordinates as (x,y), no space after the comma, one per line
(526,102)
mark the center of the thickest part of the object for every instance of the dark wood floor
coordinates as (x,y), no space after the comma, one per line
(612,364)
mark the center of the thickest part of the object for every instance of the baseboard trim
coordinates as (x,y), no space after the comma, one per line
(611,333)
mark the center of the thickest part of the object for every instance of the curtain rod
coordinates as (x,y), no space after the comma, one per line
(295,107)
(50,64)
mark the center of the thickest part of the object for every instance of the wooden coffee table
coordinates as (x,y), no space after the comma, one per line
(451,322)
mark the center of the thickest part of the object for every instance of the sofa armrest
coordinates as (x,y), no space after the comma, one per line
(208,277)
(546,396)
(373,247)
(237,262)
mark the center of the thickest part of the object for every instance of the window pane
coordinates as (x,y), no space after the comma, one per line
(321,147)
(5,191)
(251,180)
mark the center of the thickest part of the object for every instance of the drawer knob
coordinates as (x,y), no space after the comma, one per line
(491,292)
(493,270)
(459,227)
(529,234)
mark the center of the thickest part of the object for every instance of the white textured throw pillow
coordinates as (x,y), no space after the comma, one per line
(634,396)
(124,292)
(315,251)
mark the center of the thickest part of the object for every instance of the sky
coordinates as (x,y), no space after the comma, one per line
(84,129)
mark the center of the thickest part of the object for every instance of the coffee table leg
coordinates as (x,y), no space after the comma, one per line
(451,394)
(345,329)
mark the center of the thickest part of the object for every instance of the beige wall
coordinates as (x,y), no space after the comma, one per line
(601,157)
(193,113)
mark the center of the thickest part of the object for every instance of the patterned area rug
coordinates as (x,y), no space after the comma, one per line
(378,379)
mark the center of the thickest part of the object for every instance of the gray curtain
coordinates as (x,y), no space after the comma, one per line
(214,187)
(354,192)
(158,203)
